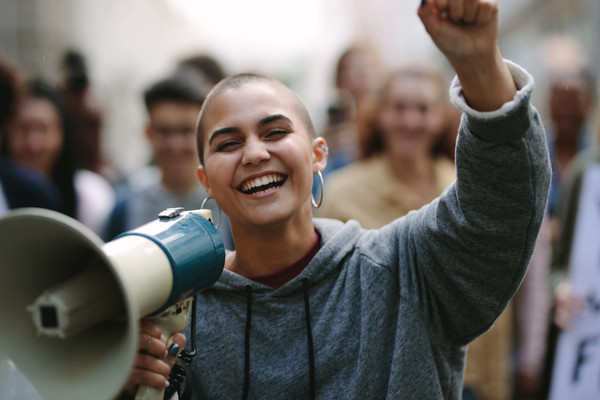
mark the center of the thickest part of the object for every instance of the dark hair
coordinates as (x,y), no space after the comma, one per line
(184,85)
(369,132)
(11,90)
(584,74)
(235,82)
(63,173)
(207,66)
(75,67)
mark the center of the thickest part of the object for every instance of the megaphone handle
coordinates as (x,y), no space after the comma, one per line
(173,319)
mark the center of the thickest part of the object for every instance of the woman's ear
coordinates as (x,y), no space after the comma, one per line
(204,180)
(320,152)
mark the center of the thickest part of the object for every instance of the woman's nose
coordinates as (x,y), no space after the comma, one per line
(413,119)
(255,151)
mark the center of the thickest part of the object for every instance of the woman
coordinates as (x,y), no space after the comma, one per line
(309,308)
(400,169)
(43,139)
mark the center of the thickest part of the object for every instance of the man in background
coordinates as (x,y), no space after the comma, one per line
(173,105)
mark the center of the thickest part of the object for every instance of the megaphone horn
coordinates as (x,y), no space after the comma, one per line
(70,303)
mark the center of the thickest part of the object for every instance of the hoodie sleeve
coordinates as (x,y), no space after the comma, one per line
(462,257)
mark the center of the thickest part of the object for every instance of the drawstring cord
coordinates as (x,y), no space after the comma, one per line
(311,353)
(247,342)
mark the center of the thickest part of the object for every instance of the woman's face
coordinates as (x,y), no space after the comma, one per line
(37,137)
(411,116)
(258,158)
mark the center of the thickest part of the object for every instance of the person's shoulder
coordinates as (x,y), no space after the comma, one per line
(93,187)
(26,188)
(142,180)
(445,170)
(91,178)
(358,173)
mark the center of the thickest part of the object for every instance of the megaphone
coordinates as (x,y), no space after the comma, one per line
(70,304)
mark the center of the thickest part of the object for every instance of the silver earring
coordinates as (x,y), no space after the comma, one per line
(312,197)
(202,207)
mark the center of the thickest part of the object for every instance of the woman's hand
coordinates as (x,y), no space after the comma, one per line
(466,32)
(154,360)
(462,28)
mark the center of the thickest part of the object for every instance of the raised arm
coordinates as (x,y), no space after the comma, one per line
(466,32)
(463,257)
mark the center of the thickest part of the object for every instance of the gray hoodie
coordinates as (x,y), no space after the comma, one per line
(387,314)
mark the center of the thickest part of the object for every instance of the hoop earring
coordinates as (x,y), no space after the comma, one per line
(202,206)
(312,197)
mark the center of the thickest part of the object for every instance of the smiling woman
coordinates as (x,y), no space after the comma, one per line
(43,139)
(310,307)
(399,134)
(267,145)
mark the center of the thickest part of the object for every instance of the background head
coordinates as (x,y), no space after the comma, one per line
(173,104)
(357,72)
(42,138)
(408,112)
(571,100)
(84,108)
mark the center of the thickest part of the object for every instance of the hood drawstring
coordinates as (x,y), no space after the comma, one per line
(311,353)
(247,342)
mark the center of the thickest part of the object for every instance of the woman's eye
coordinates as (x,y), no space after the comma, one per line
(275,133)
(226,146)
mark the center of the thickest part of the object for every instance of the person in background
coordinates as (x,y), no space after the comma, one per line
(317,308)
(173,104)
(568,301)
(357,72)
(19,186)
(532,305)
(85,110)
(570,99)
(43,139)
(570,103)
(399,170)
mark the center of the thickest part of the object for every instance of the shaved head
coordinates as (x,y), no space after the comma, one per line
(236,82)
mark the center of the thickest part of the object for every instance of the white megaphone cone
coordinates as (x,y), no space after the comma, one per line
(70,304)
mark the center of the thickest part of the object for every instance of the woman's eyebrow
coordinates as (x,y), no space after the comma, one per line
(222,131)
(274,117)
(264,121)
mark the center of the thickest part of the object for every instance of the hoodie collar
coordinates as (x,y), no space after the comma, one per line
(337,239)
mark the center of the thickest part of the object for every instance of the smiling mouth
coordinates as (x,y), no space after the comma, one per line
(262,184)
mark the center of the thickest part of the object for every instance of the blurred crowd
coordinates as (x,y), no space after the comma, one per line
(391,133)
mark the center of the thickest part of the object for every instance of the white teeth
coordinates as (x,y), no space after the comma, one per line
(265,180)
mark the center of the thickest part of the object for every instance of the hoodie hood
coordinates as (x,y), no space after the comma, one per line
(337,240)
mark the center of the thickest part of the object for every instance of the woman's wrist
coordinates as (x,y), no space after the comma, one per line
(486,81)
